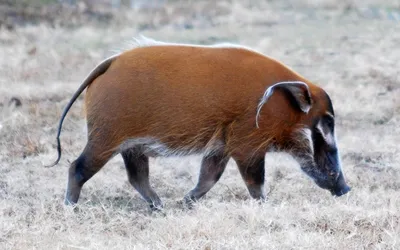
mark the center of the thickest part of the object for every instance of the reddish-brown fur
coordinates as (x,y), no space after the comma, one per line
(184,96)
(190,99)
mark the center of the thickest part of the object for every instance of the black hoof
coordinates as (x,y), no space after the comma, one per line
(156,208)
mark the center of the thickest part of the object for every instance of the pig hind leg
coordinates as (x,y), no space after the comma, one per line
(137,167)
(91,160)
(212,167)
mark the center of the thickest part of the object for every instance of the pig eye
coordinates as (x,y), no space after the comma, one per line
(328,122)
(323,133)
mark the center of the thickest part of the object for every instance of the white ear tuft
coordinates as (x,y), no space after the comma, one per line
(298,90)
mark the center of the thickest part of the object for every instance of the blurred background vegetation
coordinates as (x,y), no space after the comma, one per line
(67,12)
(77,12)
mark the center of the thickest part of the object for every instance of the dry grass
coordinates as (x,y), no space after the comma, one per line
(356,60)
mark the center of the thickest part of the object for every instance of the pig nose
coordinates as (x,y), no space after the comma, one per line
(339,192)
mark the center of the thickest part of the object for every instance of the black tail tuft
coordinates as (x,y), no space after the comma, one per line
(59,154)
(100,69)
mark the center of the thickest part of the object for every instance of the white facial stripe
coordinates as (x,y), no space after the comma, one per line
(330,114)
(329,138)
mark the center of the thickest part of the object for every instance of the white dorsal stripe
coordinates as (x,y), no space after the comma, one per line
(143,41)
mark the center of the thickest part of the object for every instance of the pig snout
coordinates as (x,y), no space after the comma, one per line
(340,188)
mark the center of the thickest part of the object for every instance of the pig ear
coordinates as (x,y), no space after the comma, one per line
(298,91)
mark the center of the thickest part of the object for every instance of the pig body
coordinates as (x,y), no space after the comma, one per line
(221,101)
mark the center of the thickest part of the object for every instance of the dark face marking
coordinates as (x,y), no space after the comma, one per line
(329,106)
(326,155)
(314,147)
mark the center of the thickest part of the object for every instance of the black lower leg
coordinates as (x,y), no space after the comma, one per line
(137,167)
(212,168)
(254,176)
(81,170)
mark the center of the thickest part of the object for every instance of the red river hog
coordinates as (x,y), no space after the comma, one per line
(223,101)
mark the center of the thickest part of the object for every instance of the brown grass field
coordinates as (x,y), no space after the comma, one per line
(354,57)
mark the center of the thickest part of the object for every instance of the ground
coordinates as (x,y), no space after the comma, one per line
(351,53)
